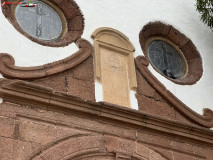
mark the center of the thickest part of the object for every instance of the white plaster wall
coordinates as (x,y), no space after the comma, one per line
(129,17)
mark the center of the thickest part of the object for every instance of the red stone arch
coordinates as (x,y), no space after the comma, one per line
(88,147)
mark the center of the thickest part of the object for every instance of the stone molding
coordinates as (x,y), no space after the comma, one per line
(114,65)
(206,120)
(189,53)
(29,94)
(68,10)
(81,146)
(9,70)
(103,34)
(115,40)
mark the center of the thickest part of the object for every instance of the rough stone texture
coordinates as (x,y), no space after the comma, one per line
(105,157)
(120,145)
(190,53)
(9,70)
(23,149)
(6,148)
(57,82)
(114,65)
(37,132)
(48,135)
(79,81)
(84,71)
(149,101)
(114,77)
(179,156)
(6,127)
(178,38)
(72,14)
(145,89)
(153,29)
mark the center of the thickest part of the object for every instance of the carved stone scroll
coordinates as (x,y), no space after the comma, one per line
(205,120)
(114,65)
(10,71)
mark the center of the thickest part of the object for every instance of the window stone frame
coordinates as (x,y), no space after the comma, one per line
(70,14)
(185,46)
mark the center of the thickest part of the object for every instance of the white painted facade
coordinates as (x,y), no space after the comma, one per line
(129,17)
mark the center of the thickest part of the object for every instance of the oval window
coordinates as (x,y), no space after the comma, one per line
(166,59)
(171,53)
(39,20)
(55,23)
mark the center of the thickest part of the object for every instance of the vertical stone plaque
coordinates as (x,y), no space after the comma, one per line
(115,77)
(114,65)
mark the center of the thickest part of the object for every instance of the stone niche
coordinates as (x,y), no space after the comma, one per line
(114,65)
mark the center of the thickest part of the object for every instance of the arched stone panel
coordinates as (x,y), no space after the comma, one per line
(89,147)
(114,65)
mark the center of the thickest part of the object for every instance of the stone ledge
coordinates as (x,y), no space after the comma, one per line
(25,93)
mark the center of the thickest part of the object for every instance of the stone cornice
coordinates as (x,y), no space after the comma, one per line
(206,120)
(25,93)
(9,70)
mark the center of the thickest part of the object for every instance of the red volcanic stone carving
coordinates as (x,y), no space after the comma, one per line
(190,53)
(74,22)
(149,104)
(9,70)
(178,38)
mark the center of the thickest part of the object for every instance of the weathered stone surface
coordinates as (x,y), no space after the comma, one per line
(56,134)
(105,157)
(37,132)
(79,81)
(178,38)
(153,139)
(152,106)
(188,51)
(70,10)
(145,151)
(145,89)
(181,156)
(155,156)
(73,145)
(182,146)
(84,71)
(6,148)
(120,145)
(6,127)
(82,89)
(57,82)
(114,65)
(167,153)
(22,150)
(115,80)
(7,110)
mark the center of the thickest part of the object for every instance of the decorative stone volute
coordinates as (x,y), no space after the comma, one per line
(114,65)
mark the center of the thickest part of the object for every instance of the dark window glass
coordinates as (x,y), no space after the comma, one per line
(165,59)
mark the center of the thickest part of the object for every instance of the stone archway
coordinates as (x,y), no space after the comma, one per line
(89,147)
